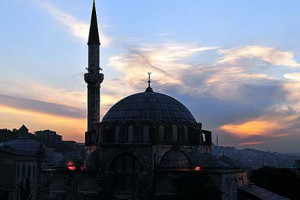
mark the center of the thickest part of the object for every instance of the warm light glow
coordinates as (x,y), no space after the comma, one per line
(198,168)
(71,166)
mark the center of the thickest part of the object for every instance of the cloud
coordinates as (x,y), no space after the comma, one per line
(42,106)
(71,128)
(163,61)
(251,128)
(250,143)
(263,126)
(179,67)
(270,55)
(77,28)
(244,103)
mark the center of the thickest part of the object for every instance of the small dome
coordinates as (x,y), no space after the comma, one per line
(23,144)
(175,159)
(148,106)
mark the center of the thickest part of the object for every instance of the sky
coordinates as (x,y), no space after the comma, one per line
(234,64)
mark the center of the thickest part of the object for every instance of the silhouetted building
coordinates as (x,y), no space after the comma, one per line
(51,136)
(21,161)
(145,144)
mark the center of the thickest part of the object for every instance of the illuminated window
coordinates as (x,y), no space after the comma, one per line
(71,166)
(198,168)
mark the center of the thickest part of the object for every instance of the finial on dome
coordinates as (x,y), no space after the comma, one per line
(149,89)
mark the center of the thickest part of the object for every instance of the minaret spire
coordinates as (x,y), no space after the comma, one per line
(93,79)
(94,34)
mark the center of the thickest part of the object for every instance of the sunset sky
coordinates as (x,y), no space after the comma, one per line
(235,64)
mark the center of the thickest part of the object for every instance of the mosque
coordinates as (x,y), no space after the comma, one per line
(143,147)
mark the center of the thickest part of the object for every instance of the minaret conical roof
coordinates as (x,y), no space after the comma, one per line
(94,34)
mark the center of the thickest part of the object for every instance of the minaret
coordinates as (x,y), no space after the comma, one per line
(93,79)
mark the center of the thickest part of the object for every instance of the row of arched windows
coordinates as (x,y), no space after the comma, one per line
(159,134)
(132,135)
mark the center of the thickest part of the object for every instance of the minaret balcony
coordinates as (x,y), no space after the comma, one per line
(93,78)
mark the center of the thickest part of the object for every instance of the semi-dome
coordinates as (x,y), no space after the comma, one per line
(148,106)
(175,159)
(92,161)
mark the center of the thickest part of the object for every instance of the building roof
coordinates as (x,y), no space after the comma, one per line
(149,106)
(23,128)
(23,144)
(261,193)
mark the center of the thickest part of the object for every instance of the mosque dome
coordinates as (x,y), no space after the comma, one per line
(149,106)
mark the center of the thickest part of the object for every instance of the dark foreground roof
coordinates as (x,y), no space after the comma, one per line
(261,193)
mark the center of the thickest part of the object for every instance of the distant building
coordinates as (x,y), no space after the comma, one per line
(23,130)
(21,161)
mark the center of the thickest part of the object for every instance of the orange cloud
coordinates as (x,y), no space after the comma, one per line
(251,128)
(270,126)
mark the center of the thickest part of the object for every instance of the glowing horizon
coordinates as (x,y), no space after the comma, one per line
(237,74)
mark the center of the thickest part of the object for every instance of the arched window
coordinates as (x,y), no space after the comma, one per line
(117,134)
(203,137)
(146,133)
(161,132)
(130,133)
(174,133)
(125,166)
(185,133)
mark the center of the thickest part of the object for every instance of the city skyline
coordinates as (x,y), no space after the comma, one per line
(236,70)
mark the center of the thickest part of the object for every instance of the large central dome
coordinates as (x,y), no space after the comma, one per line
(148,106)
